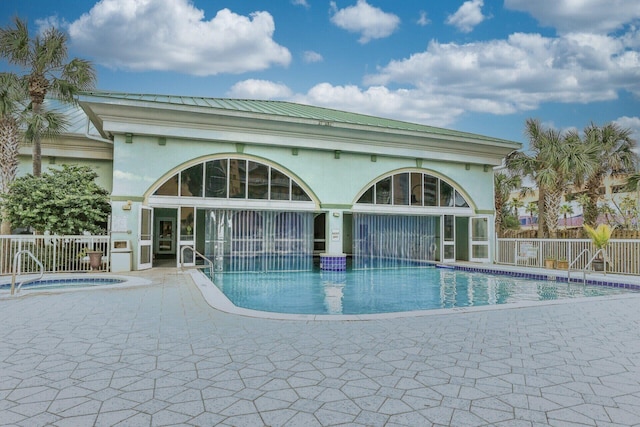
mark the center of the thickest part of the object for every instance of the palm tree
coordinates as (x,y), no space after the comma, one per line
(532,209)
(556,160)
(566,210)
(633,182)
(503,184)
(609,214)
(615,154)
(47,72)
(17,124)
(10,108)
(516,205)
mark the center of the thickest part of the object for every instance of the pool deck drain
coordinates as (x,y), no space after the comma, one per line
(160,355)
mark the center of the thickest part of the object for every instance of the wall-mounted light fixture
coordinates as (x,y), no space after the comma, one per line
(128,138)
(336,214)
(294,151)
(162,140)
(336,154)
(467,166)
(374,158)
(486,168)
(127,206)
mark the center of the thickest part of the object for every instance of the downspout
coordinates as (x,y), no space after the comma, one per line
(95,138)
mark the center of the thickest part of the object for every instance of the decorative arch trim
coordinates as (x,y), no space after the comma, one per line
(231,177)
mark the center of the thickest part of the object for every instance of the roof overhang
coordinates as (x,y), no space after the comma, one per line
(140,117)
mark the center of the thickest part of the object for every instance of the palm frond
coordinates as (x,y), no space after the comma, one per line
(15,43)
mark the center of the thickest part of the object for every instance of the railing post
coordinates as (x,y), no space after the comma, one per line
(54,261)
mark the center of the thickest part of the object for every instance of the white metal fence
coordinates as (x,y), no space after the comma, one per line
(58,254)
(624,255)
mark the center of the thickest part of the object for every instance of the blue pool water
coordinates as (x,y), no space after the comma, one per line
(66,283)
(388,291)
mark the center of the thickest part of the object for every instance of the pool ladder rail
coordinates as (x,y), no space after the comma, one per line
(15,273)
(589,265)
(198,254)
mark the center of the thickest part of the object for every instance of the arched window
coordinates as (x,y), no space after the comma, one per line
(233,178)
(413,189)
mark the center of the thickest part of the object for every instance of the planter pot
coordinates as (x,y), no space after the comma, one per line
(563,265)
(549,263)
(95,259)
(598,264)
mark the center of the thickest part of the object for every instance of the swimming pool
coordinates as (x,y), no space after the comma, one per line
(70,282)
(390,291)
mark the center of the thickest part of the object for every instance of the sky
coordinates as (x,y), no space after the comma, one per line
(480,66)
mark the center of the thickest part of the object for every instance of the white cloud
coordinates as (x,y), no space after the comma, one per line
(402,104)
(371,22)
(632,123)
(172,35)
(303,3)
(423,20)
(259,89)
(467,16)
(601,16)
(310,56)
(53,21)
(519,73)
(439,85)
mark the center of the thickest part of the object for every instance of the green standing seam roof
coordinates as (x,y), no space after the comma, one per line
(290,109)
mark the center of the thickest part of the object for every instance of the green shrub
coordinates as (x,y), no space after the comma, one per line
(62,201)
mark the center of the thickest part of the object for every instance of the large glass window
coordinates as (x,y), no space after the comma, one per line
(258,181)
(430,191)
(297,193)
(416,194)
(383,191)
(169,188)
(401,189)
(280,185)
(216,178)
(367,197)
(233,178)
(191,181)
(414,189)
(237,178)
(446,194)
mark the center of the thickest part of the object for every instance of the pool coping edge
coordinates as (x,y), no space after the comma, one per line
(219,301)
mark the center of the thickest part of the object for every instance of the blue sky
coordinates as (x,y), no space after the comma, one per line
(481,66)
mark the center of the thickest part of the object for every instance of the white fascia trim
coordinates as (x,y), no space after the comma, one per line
(411,210)
(213,203)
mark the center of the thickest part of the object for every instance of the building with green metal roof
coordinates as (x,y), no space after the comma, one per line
(253,184)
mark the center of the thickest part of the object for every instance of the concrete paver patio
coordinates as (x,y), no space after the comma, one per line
(160,355)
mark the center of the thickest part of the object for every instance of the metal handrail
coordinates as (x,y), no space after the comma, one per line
(604,257)
(584,274)
(207,260)
(16,258)
(589,263)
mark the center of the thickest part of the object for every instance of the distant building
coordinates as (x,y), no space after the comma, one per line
(613,192)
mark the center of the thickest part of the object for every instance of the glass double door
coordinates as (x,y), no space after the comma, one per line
(465,238)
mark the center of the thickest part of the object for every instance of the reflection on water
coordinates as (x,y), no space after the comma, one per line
(388,290)
(333,283)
